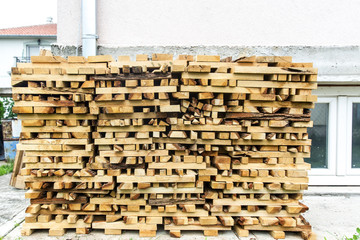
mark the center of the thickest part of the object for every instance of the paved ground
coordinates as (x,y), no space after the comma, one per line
(12,200)
(334,213)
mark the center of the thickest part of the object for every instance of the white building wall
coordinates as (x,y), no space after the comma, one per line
(15,47)
(9,48)
(69,22)
(215,22)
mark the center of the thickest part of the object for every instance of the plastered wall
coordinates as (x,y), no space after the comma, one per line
(215,22)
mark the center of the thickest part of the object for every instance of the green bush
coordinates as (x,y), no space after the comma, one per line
(356,236)
(6,104)
(6,168)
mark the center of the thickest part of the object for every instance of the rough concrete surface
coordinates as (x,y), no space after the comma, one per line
(346,62)
(12,207)
(12,200)
(332,216)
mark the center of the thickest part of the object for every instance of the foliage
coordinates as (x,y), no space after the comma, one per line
(6,168)
(6,104)
(356,236)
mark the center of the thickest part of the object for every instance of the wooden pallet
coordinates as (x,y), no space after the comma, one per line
(57,228)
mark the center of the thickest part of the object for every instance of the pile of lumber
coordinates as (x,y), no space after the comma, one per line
(197,143)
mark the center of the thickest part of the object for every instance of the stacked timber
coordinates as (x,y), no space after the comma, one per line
(195,143)
(52,98)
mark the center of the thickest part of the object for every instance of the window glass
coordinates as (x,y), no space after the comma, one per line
(319,136)
(356,136)
(33,50)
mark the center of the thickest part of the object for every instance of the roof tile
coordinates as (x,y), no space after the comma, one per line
(38,30)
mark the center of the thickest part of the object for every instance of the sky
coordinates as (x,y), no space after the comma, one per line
(17,13)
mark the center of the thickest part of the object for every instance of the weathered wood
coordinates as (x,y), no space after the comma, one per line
(205,145)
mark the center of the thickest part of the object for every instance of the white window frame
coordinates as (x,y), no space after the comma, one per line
(343,129)
(331,148)
(43,44)
(349,170)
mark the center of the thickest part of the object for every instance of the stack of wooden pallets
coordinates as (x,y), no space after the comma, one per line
(195,143)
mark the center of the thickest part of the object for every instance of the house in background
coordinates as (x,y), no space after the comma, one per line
(18,45)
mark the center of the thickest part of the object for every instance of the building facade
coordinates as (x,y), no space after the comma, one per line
(323,32)
(18,45)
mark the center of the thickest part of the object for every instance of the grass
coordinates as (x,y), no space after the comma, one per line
(356,236)
(6,168)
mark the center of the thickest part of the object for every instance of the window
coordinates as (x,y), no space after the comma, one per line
(355,154)
(32,50)
(353,136)
(323,137)
(335,152)
(319,136)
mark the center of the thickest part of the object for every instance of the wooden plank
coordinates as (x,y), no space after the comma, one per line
(155,102)
(254,202)
(55,116)
(144,128)
(303,166)
(258,213)
(41,77)
(254,77)
(162,57)
(61,103)
(237,178)
(69,179)
(193,227)
(162,190)
(271,84)
(180,165)
(214,89)
(82,153)
(192,141)
(47,59)
(221,128)
(271,142)
(270,153)
(157,89)
(103,141)
(148,64)
(54,165)
(60,65)
(157,178)
(207,58)
(55,225)
(16,169)
(275,70)
(122,225)
(277,104)
(56,141)
(100,58)
(133,115)
(139,153)
(110,200)
(53,147)
(56,129)
(26,90)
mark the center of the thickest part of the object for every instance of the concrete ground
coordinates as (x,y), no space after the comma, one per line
(13,203)
(334,214)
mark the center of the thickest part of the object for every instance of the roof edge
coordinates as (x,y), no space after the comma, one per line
(28,36)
